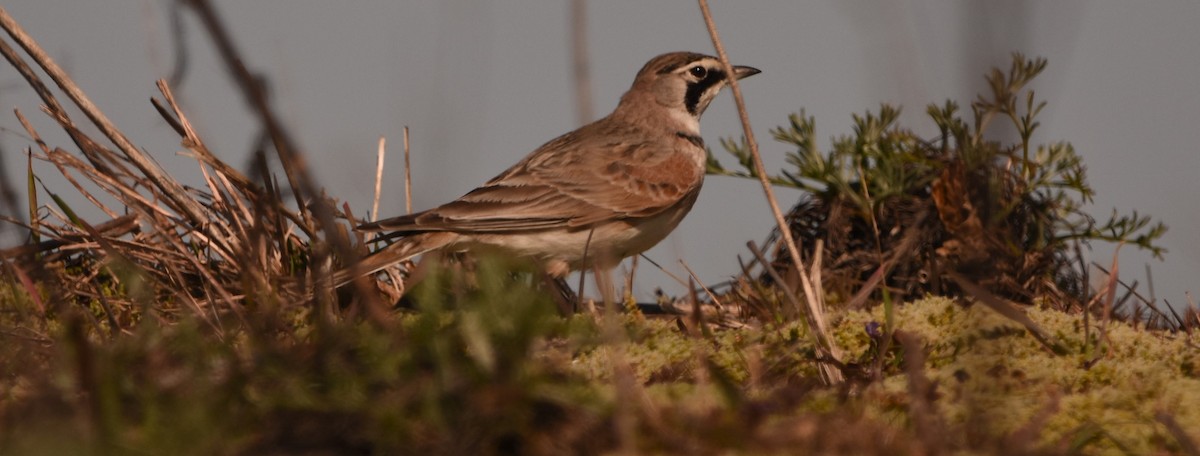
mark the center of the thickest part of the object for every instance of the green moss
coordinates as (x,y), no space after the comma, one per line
(658,352)
(992,375)
(482,371)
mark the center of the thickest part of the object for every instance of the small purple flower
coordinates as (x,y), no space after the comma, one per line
(873,330)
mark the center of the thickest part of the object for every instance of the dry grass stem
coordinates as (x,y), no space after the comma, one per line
(580,63)
(1008,310)
(174,192)
(210,248)
(921,393)
(213,305)
(379,156)
(407,175)
(1186,442)
(711,295)
(814,310)
(676,278)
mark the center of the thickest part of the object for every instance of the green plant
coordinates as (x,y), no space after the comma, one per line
(1005,214)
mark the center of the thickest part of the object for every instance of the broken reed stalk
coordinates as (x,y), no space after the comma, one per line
(704,287)
(1186,442)
(1148,302)
(211,248)
(921,408)
(670,274)
(174,192)
(815,311)
(106,171)
(627,296)
(579,62)
(294,164)
(379,155)
(407,175)
(1007,310)
(787,291)
(1108,296)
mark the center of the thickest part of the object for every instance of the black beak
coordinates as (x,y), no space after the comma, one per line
(742,72)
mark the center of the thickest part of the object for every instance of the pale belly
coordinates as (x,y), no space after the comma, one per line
(605,245)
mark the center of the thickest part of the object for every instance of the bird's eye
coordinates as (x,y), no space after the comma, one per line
(699,72)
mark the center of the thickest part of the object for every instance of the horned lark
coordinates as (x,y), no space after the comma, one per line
(589,198)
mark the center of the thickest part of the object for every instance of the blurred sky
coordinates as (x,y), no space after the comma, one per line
(480,84)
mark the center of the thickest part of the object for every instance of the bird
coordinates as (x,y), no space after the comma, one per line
(587,199)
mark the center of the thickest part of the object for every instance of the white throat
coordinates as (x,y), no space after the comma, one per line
(687,123)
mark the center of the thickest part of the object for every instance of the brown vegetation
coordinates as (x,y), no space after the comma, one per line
(199,320)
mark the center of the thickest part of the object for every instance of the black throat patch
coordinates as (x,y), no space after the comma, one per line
(695,90)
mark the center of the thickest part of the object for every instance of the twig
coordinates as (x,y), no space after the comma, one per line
(193,142)
(1186,443)
(1150,283)
(787,291)
(27,283)
(815,273)
(8,195)
(46,150)
(294,165)
(702,286)
(82,191)
(674,277)
(907,243)
(582,273)
(1149,302)
(868,287)
(407,175)
(815,312)
(119,226)
(114,328)
(830,372)
(753,303)
(697,325)
(579,57)
(1021,441)
(1191,307)
(633,264)
(1007,310)
(104,181)
(34,81)
(922,410)
(378,177)
(1108,296)
(171,188)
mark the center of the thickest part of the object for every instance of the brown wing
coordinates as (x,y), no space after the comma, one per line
(579,179)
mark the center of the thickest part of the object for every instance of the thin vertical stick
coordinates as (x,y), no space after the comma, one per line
(628,295)
(816,312)
(295,166)
(1150,284)
(579,57)
(674,277)
(582,274)
(407,176)
(378,177)
(704,287)
(1186,443)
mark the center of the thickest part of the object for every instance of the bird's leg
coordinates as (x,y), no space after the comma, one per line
(563,295)
(605,284)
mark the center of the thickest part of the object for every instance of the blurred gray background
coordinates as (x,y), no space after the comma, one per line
(481,83)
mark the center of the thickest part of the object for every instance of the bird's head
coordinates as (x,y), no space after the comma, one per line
(683,83)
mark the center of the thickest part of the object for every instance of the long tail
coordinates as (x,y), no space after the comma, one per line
(391,255)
